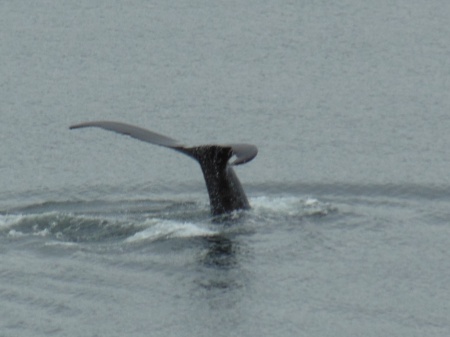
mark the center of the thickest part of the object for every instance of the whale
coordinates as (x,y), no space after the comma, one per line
(224,188)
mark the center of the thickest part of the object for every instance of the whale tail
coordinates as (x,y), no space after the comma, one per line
(224,189)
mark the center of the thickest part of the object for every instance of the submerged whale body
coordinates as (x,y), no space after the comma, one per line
(224,188)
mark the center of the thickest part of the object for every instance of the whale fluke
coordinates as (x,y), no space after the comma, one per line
(132,131)
(224,188)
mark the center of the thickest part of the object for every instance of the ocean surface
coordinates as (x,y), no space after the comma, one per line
(349,231)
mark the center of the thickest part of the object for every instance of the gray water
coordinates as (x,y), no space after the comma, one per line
(348,103)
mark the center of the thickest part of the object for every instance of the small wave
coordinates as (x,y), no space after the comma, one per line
(21,225)
(60,244)
(65,227)
(86,228)
(291,206)
(99,223)
(163,229)
(7,221)
(391,190)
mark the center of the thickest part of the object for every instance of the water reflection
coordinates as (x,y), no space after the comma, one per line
(220,253)
(220,270)
(221,280)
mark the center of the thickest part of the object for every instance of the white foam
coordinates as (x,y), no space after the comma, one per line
(158,229)
(61,244)
(289,205)
(10,220)
(15,234)
(277,204)
(311,202)
(44,232)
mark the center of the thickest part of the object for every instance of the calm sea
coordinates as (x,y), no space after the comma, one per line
(349,106)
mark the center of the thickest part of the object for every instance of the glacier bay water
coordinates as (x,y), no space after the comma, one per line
(348,232)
